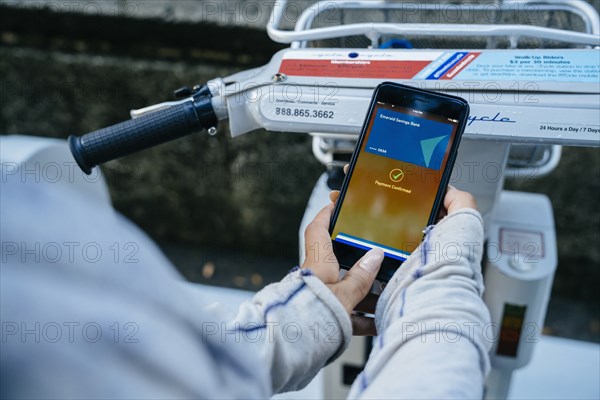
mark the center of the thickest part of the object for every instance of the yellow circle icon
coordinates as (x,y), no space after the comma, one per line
(396,175)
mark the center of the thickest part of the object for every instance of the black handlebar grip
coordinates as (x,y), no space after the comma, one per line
(135,134)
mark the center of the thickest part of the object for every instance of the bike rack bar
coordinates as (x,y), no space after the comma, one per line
(371,29)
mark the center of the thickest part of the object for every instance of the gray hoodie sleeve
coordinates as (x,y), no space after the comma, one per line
(431,319)
(88,324)
(297,326)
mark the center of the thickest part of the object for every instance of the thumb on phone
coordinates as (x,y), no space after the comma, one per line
(358,280)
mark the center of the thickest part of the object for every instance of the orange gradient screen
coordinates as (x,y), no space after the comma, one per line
(394,183)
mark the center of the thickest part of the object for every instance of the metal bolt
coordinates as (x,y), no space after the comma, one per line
(212,131)
(279,77)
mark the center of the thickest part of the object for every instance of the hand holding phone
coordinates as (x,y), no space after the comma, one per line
(327,268)
(394,188)
(352,288)
(398,174)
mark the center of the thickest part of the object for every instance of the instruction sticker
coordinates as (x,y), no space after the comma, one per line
(352,64)
(562,66)
(506,65)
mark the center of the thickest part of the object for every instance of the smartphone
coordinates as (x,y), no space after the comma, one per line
(398,174)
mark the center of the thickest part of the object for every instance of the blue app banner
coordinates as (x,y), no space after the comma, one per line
(445,67)
(409,138)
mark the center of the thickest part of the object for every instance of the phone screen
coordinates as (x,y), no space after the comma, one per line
(395,180)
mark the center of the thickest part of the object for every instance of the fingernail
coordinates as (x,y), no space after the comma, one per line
(333,195)
(451,187)
(372,260)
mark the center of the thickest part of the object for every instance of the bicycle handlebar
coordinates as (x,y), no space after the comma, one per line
(141,133)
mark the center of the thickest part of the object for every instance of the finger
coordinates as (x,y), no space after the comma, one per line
(322,219)
(319,255)
(333,195)
(363,326)
(456,199)
(441,214)
(447,200)
(358,281)
(346,168)
(449,197)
